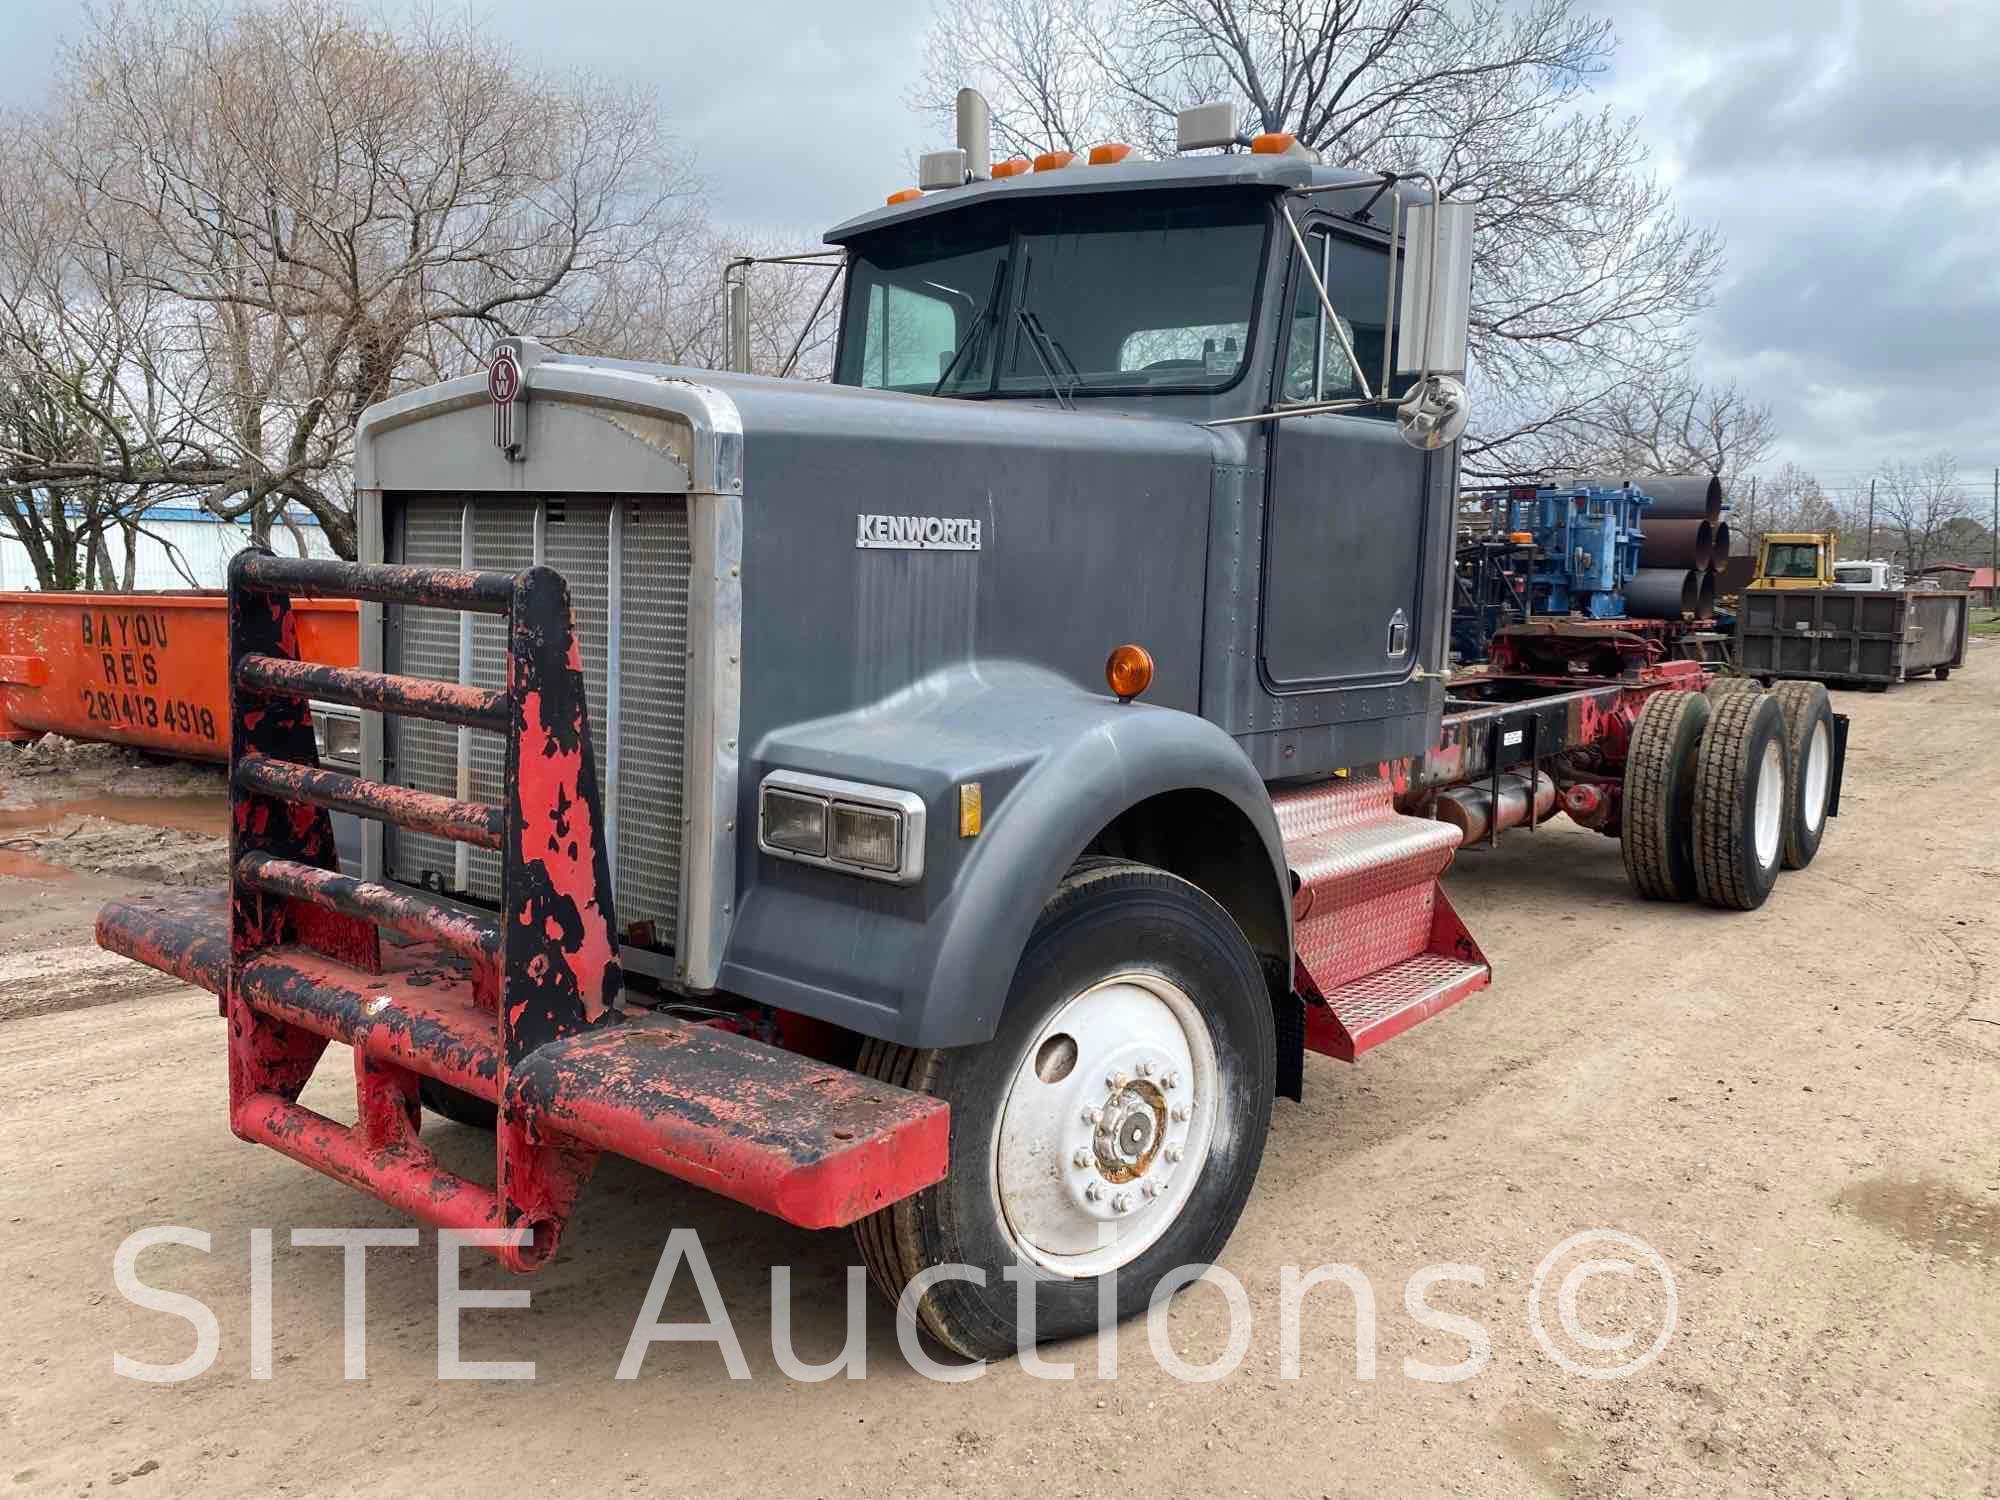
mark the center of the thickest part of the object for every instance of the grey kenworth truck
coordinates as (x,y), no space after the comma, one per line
(952,799)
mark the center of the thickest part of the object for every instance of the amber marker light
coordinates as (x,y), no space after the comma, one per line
(907,195)
(1129,671)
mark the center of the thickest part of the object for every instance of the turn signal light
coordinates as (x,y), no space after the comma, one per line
(1013,167)
(1108,153)
(1128,672)
(1523,538)
(1050,161)
(905,196)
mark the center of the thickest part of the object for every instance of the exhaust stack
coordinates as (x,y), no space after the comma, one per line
(975,133)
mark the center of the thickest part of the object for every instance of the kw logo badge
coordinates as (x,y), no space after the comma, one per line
(918,533)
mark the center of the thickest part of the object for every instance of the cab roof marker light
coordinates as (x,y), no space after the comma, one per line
(1282,143)
(1017,166)
(1054,161)
(1108,154)
(905,196)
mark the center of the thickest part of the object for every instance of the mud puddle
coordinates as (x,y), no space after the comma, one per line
(208,816)
(1930,1215)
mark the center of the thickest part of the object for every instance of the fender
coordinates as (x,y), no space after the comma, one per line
(930,964)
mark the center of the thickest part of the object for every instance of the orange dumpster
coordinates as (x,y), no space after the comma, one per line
(150,670)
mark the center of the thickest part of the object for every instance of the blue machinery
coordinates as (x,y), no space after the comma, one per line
(1548,550)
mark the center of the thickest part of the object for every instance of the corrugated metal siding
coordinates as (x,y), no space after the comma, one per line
(653,698)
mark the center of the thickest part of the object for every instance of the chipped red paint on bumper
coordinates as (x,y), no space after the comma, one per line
(815,1145)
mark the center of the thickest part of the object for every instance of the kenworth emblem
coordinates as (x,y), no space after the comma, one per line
(918,533)
(503,384)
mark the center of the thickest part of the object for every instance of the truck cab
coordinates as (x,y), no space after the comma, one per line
(1867,575)
(1795,560)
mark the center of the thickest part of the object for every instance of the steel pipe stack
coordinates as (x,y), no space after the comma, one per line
(1687,543)
(1663,593)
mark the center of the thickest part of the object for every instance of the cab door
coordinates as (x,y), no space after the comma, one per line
(1346,499)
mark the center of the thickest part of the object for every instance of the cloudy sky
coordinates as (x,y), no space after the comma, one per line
(1849,148)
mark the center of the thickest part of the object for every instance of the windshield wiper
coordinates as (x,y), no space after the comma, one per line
(989,315)
(1047,350)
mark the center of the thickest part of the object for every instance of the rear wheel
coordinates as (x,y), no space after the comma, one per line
(1656,827)
(1114,1123)
(1942,673)
(1741,789)
(1717,686)
(1809,746)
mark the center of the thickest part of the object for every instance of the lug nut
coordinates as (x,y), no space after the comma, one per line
(1116,1081)
(1093,1191)
(1145,1070)
(1174,1153)
(1122,1203)
(1181,1111)
(1150,1188)
(1082,1157)
(1174,1079)
(1093,1117)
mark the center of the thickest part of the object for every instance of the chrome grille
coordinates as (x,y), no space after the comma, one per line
(652,568)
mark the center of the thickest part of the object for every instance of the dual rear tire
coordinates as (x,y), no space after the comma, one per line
(1725,788)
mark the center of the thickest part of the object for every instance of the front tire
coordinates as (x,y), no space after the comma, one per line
(1115,1122)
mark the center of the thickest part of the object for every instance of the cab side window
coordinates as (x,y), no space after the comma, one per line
(1317,367)
(909,337)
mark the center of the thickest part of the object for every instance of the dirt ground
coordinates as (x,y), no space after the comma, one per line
(1796,1109)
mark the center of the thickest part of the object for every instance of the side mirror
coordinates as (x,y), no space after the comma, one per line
(1434,316)
(1436,307)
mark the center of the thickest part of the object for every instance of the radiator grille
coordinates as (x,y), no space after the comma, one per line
(654,563)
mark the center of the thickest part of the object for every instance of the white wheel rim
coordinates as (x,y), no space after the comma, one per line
(1092,1164)
(1819,766)
(1769,817)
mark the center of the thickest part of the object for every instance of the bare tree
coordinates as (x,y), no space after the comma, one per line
(1918,501)
(1585,282)
(1789,500)
(674,296)
(1674,425)
(257,220)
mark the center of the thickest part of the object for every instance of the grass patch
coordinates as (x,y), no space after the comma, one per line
(1985,622)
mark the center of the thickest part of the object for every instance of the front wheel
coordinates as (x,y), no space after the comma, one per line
(1113,1125)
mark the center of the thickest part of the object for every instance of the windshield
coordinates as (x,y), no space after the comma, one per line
(1792,560)
(1058,297)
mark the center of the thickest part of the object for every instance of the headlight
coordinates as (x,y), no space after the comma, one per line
(876,831)
(794,823)
(870,836)
(337,736)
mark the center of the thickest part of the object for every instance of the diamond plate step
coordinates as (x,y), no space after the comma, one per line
(1377,945)
(1369,1011)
